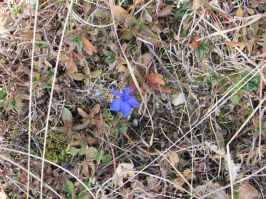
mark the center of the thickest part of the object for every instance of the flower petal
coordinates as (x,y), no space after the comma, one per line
(126,91)
(132,101)
(125,108)
(114,92)
(116,105)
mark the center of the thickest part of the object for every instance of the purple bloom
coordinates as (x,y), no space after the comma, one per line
(124,102)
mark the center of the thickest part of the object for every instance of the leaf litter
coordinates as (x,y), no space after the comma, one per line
(195,67)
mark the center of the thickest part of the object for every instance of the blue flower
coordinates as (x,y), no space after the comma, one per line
(124,102)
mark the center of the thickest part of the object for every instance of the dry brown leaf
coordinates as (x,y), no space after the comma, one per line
(173,158)
(165,11)
(214,189)
(71,65)
(123,170)
(86,7)
(250,45)
(146,88)
(27,71)
(255,28)
(241,44)
(195,43)
(189,174)
(247,191)
(153,78)
(250,11)
(153,184)
(239,12)
(146,59)
(118,13)
(88,43)
(178,183)
(121,68)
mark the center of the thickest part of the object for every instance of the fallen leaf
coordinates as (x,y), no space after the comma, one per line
(71,65)
(153,184)
(194,45)
(137,185)
(119,13)
(247,191)
(66,116)
(123,170)
(146,59)
(250,11)
(241,44)
(88,43)
(250,45)
(173,158)
(178,183)
(146,88)
(165,11)
(239,12)
(153,78)
(86,7)
(213,188)
(189,174)
(161,88)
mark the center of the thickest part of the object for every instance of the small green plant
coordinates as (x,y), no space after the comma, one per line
(14,102)
(251,85)
(180,12)
(41,44)
(69,187)
(110,56)
(2,93)
(15,11)
(202,48)
(132,47)
(78,41)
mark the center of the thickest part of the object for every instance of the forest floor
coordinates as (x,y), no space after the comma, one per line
(193,125)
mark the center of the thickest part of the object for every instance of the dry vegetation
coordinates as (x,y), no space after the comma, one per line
(196,67)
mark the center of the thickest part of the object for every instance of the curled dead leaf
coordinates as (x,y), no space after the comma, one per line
(119,13)
(153,78)
(88,43)
(241,44)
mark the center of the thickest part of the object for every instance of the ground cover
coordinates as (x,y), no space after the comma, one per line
(132,99)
